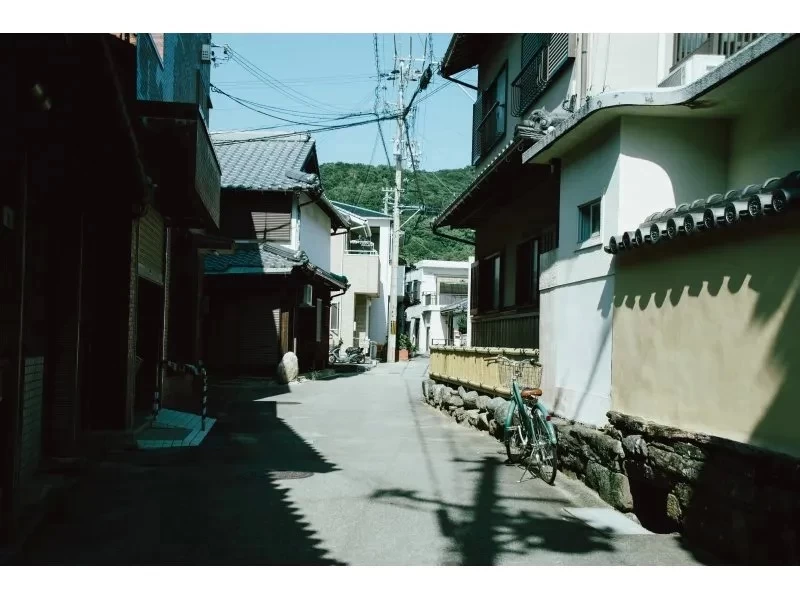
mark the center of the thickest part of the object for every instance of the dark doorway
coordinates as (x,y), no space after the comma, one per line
(148,342)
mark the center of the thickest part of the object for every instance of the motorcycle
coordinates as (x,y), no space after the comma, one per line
(352,354)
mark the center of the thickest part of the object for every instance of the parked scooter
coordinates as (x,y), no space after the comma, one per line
(352,354)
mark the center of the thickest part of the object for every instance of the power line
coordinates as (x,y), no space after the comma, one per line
(274,83)
(252,106)
(377,97)
(307,131)
(371,171)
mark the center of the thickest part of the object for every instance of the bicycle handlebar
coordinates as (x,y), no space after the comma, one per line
(512,361)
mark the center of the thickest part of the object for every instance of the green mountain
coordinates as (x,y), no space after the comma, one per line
(363,184)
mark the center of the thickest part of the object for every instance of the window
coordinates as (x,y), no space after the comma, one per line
(497,282)
(475,285)
(589,219)
(489,117)
(319,320)
(490,294)
(335,317)
(451,290)
(274,227)
(542,56)
(527,287)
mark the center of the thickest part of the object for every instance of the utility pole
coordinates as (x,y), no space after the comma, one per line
(398,185)
(403,72)
(386,192)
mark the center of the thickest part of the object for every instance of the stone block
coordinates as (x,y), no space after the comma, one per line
(599,447)
(288,368)
(635,447)
(483,421)
(613,487)
(472,417)
(674,510)
(482,402)
(674,465)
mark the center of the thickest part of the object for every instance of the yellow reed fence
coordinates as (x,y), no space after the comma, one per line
(468,367)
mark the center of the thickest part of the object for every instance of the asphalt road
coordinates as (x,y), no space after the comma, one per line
(355,470)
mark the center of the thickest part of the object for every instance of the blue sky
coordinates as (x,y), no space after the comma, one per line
(338,70)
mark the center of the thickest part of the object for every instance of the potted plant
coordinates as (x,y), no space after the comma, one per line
(403,346)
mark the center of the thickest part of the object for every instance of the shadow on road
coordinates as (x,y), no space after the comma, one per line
(480,533)
(218,504)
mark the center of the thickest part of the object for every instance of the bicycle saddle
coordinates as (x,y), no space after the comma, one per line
(529,393)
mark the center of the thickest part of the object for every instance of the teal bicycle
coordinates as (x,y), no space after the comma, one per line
(529,436)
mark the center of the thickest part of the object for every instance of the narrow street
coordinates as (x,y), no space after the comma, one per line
(354,470)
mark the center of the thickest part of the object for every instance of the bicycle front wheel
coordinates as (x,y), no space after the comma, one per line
(545,450)
(517,440)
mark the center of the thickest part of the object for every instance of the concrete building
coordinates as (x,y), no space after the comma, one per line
(432,285)
(678,330)
(360,316)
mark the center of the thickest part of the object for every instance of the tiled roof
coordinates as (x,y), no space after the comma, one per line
(770,198)
(458,306)
(266,258)
(253,258)
(359,211)
(255,161)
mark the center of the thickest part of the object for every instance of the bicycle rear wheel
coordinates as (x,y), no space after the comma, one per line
(517,441)
(544,449)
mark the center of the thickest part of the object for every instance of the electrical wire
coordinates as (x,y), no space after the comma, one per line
(370,173)
(253,106)
(276,84)
(306,131)
(377,98)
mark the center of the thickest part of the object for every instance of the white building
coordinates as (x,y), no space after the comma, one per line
(360,316)
(579,136)
(432,285)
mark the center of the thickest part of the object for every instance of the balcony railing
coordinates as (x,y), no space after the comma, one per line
(490,130)
(543,55)
(722,44)
(442,299)
(530,84)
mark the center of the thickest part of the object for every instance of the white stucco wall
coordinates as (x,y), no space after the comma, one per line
(315,233)
(622,61)
(577,288)
(379,311)
(666,162)
(766,141)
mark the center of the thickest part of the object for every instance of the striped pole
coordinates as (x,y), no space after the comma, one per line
(157,393)
(204,373)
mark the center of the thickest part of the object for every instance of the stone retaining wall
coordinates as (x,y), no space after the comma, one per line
(732,500)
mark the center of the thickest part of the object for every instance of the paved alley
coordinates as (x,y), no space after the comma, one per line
(355,470)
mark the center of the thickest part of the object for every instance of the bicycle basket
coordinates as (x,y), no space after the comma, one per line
(530,374)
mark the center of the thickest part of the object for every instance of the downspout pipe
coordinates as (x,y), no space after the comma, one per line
(460,82)
(436,232)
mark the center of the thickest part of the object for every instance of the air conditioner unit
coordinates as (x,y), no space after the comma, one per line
(692,69)
(205,53)
(307,296)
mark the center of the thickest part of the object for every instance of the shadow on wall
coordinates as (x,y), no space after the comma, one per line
(485,530)
(738,289)
(604,311)
(217,505)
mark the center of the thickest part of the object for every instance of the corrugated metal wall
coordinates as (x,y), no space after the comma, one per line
(151,246)
(31,445)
